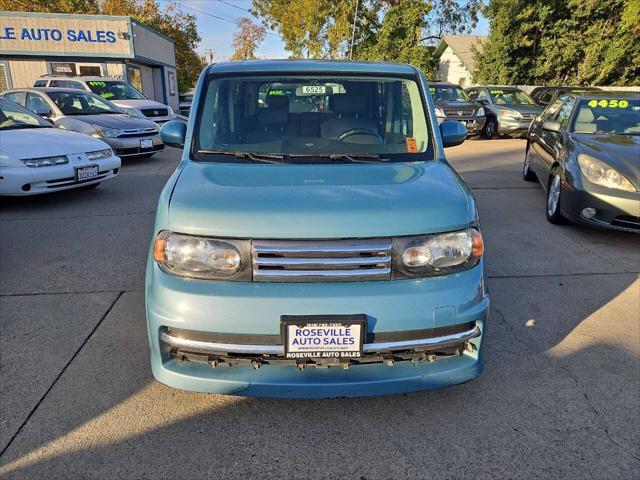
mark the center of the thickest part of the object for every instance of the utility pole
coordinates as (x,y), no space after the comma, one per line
(211,52)
(353,32)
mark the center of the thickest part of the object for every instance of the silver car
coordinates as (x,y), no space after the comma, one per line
(116,91)
(88,113)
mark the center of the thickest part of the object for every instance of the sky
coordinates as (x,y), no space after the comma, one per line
(215,22)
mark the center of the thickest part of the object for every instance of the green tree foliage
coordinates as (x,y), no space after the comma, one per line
(175,24)
(398,30)
(553,42)
(247,39)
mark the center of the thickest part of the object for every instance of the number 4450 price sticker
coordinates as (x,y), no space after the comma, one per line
(604,103)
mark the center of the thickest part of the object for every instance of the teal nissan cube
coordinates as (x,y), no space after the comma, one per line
(314,241)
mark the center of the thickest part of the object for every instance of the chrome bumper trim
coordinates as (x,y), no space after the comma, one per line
(198,346)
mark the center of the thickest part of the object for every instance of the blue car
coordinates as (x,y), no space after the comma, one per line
(314,241)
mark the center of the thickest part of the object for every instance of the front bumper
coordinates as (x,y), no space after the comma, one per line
(474,124)
(237,309)
(616,210)
(512,126)
(23,180)
(129,146)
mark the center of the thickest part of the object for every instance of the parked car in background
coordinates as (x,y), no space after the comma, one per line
(509,110)
(315,254)
(118,92)
(544,96)
(585,151)
(88,113)
(37,158)
(452,103)
(186,99)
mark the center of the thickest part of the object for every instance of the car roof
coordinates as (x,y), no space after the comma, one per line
(445,84)
(607,94)
(311,66)
(49,89)
(502,87)
(86,78)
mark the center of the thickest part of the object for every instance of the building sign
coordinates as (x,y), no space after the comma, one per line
(26,34)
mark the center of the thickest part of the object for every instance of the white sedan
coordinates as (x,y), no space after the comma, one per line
(37,158)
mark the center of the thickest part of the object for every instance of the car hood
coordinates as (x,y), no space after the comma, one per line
(146,103)
(46,142)
(121,121)
(534,109)
(318,201)
(620,151)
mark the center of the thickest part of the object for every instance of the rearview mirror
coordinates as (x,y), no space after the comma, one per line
(551,126)
(453,133)
(173,133)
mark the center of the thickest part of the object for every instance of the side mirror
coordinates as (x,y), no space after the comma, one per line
(551,126)
(453,133)
(173,132)
(42,110)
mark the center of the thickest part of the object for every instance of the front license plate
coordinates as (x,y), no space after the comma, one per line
(86,173)
(146,143)
(323,336)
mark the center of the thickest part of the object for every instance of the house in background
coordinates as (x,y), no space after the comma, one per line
(455,58)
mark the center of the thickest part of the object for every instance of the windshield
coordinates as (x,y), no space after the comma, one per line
(619,116)
(312,116)
(115,90)
(80,103)
(13,117)
(448,93)
(503,96)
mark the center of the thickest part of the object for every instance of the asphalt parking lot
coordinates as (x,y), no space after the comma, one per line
(560,396)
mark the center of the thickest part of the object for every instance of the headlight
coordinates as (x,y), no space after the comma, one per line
(99,154)
(439,112)
(196,257)
(480,112)
(105,132)
(134,112)
(45,161)
(510,113)
(602,174)
(170,112)
(438,254)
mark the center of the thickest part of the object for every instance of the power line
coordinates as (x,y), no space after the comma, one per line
(224,19)
(234,6)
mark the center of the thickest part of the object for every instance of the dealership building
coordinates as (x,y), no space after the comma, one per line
(36,44)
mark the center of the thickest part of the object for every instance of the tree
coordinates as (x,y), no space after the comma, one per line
(561,42)
(384,29)
(172,22)
(247,39)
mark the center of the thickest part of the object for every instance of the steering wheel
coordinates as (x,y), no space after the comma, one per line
(358,131)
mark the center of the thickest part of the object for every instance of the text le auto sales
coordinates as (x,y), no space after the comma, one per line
(55,35)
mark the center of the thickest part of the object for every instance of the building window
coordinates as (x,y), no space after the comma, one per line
(90,70)
(172,83)
(134,77)
(5,77)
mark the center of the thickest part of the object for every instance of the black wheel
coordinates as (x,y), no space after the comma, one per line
(527,174)
(89,187)
(490,128)
(554,198)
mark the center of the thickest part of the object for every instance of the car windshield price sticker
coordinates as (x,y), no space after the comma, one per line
(324,340)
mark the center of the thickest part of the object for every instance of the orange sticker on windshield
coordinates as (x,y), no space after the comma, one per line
(412,146)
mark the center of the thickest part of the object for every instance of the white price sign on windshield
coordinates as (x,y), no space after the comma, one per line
(314,89)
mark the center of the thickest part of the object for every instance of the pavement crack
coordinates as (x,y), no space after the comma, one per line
(64,369)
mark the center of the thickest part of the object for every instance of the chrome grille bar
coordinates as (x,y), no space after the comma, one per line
(321,260)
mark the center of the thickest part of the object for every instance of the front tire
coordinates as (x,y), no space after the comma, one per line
(527,174)
(490,128)
(553,200)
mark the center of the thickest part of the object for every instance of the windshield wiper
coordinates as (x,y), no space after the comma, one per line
(17,127)
(350,157)
(252,157)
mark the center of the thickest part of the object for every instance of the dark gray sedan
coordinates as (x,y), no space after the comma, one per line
(585,151)
(88,113)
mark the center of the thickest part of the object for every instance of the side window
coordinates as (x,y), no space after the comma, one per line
(565,112)
(473,94)
(40,83)
(77,85)
(36,103)
(483,95)
(546,98)
(17,97)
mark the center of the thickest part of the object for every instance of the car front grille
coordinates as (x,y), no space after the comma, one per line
(459,113)
(321,260)
(155,112)
(528,116)
(142,132)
